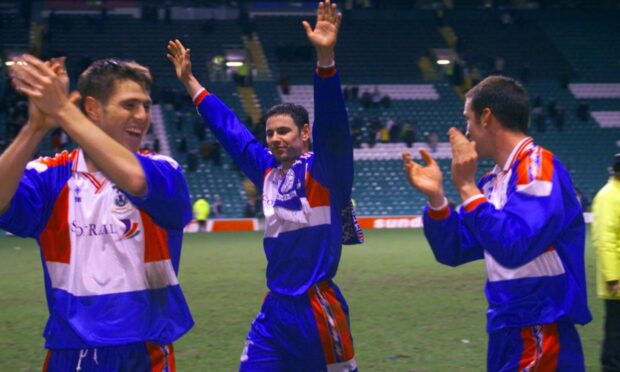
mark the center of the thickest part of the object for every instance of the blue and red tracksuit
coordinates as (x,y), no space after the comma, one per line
(528,226)
(304,322)
(110,261)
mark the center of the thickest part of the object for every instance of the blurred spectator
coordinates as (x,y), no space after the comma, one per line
(284,83)
(384,135)
(389,122)
(605,228)
(366,99)
(376,96)
(216,153)
(355,92)
(357,136)
(395,132)
(386,101)
(182,144)
(552,108)
(409,135)
(433,141)
(582,111)
(375,124)
(538,116)
(205,151)
(250,208)
(243,76)
(201,213)
(192,161)
(218,207)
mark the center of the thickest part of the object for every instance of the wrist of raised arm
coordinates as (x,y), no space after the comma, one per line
(325,57)
(192,86)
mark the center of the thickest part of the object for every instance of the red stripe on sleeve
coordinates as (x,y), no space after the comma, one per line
(476,202)
(326,72)
(200,97)
(439,214)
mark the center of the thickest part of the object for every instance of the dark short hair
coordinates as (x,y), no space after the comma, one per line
(99,79)
(506,98)
(298,113)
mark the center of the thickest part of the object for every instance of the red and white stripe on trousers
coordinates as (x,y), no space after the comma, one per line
(541,348)
(333,328)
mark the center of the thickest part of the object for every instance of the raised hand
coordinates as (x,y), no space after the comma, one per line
(325,33)
(427,179)
(45,83)
(464,164)
(180,57)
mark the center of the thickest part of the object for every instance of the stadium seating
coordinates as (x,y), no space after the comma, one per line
(14,35)
(584,147)
(370,39)
(483,36)
(588,39)
(376,49)
(127,37)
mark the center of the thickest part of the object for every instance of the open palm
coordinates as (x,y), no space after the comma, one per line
(427,179)
(180,57)
(325,31)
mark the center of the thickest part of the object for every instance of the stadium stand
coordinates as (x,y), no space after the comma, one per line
(369,37)
(100,39)
(378,50)
(587,38)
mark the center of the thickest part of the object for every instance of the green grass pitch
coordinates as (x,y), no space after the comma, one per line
(408,313)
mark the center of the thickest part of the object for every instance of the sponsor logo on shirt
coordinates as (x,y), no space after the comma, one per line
(93,229)
(131,229)
(88,230)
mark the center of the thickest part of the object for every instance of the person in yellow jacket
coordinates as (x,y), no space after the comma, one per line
(606,237)
(201,213)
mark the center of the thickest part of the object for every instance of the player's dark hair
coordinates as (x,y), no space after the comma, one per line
(99,79)
(298,113)
(506,98)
